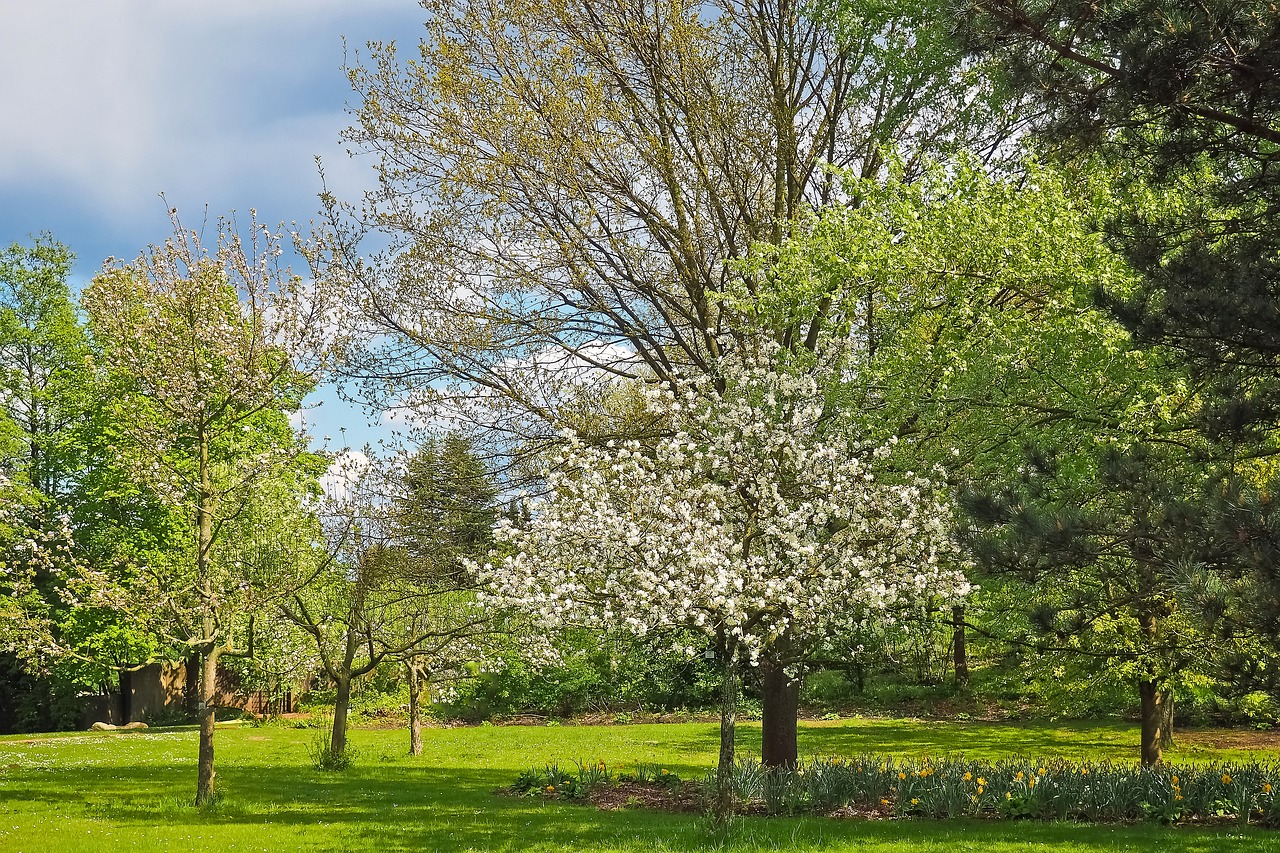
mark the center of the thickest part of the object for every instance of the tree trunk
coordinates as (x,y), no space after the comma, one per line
(723,810)
(779,699)
(338,741)
(1166,719)
(959,647)
(1153,721)
(415,720)
(126,696)
(205,714)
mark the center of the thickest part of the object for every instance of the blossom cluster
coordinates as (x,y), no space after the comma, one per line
(758,516)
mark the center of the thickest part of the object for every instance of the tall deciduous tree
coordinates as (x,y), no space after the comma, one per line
(566,185)
(209,349)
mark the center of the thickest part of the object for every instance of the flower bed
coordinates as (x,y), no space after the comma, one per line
(1057,789)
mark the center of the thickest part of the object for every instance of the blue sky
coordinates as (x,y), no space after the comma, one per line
(224,103)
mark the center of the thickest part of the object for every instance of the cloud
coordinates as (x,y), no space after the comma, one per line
(110,102)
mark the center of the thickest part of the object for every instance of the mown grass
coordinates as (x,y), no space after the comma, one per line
(130,791)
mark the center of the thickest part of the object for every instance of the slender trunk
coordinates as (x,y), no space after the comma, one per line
(209,661)
(728,718)
(205,714)
(338,742)
(415,720)
(959,648)
(780,700)
(126,696)
(1153,719)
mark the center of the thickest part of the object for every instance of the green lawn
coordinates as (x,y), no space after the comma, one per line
(130,792)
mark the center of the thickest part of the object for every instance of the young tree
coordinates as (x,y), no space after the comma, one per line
(394,587)
(209,349)
(756,522)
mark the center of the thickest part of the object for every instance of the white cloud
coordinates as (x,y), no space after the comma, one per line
(116,100)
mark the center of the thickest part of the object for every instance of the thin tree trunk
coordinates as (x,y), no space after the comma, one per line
(209,661)
(342,702)
(780,700)
(415,719)
(728,718)
(959,647)
(125,682)
(205,714)
(1153,718)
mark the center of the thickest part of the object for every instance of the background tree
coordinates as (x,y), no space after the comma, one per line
(394,588)
(209,350)
(1182,102)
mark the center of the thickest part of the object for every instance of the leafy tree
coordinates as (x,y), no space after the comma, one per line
(44,366)
(209,350)
(1182,102)
(969,299)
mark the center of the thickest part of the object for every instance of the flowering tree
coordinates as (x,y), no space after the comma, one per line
(207,352)
(757,520)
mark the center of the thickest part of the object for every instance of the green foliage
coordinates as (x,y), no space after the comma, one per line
(592,674)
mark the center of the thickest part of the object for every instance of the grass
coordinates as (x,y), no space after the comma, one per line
(131,791)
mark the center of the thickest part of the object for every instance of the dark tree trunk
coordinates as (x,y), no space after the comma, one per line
(205,714)
(415,719)
(126,697)
(341,703)
(959,647)
(1153,720)
(780,699)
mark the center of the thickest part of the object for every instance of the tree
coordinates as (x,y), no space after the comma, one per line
(393,588)
(1101,541)
(1182,101)
(757,522)
(43,364)
(209,351)
(444,516)
(566,186)
(969,301)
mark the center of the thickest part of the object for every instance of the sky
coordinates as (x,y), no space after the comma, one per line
(218,104)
